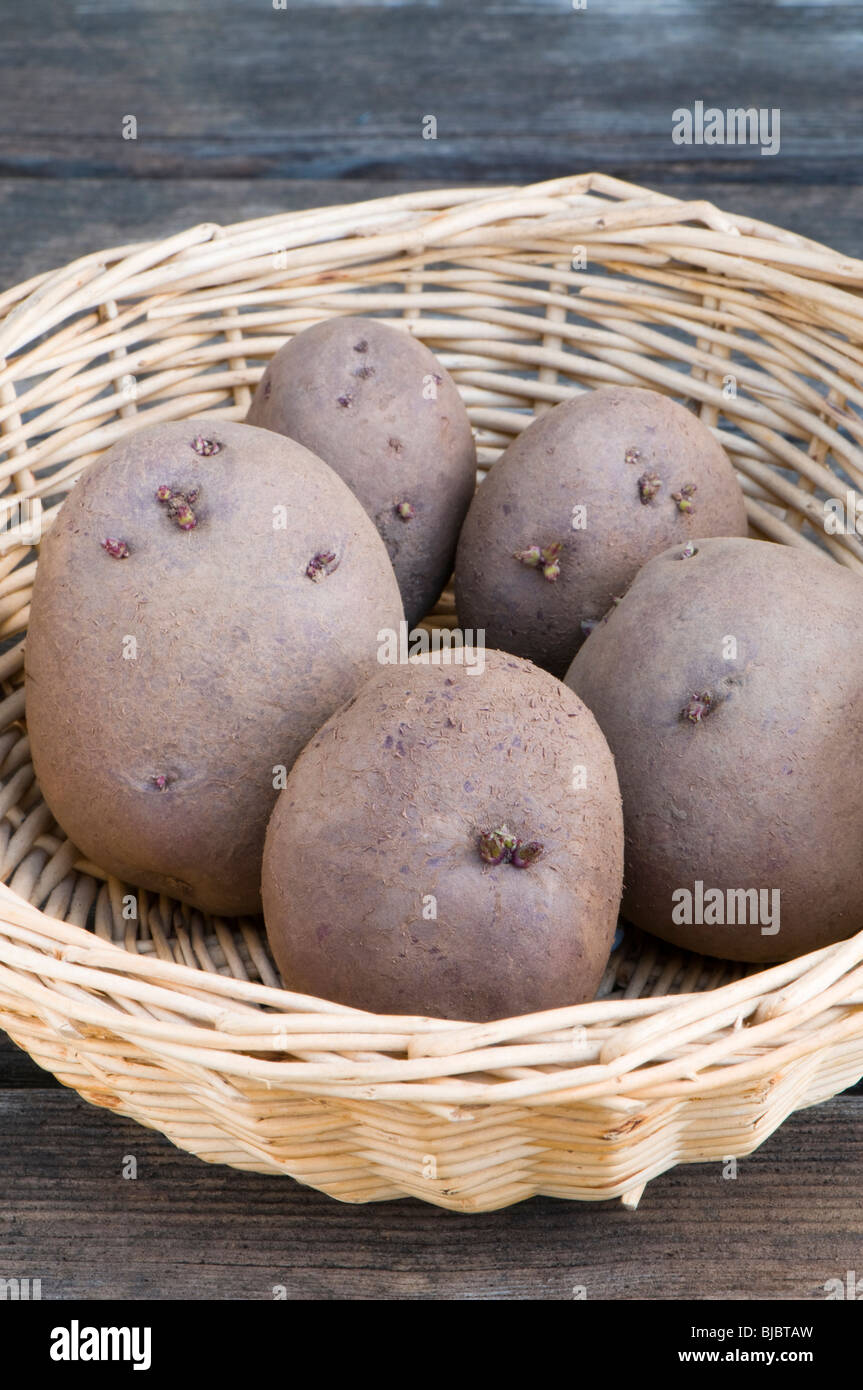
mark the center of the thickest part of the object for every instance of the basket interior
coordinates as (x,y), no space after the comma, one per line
(527,296)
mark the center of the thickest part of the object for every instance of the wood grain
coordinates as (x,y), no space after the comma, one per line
(789,1221)
(19,1071)
(520,91)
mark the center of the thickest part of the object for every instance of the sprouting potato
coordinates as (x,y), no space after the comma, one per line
(208,594)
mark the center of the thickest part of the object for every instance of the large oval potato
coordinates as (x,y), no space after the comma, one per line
(573,509)
(450,843)
(184,645)
(729,684)
(379,408)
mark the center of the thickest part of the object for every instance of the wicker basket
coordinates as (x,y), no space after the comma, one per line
(527,295)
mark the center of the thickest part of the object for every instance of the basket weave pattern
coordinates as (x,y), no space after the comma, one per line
(528,296)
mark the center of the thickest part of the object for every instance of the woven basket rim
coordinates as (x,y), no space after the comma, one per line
(795,991)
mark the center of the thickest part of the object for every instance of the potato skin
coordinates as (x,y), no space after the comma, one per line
(576,455)
(765,791)
(357,392)
(240,656)
(385,807)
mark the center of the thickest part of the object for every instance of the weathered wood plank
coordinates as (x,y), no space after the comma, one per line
(18,1070)
(520,91)
(791,1220)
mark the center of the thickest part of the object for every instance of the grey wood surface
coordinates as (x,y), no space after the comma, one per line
(242,110)
(520,90)
(788,1223)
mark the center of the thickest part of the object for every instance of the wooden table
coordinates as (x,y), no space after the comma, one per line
(244,109)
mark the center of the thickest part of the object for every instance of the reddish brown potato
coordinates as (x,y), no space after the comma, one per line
(184,645)
(380,409)
(573,509)
(729,684)
(377,883)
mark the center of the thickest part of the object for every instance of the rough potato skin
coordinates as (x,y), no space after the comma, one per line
(764,791)
(238,655)
(591,452)
(380,409)
(386,806)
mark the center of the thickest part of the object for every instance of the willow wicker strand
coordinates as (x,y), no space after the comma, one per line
(528,295)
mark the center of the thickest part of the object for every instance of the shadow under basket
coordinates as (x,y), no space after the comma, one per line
(528,295)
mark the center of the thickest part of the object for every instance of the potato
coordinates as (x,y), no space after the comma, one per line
(450,843)
(729,684)
(574,507)
(380,409)
(208,594)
